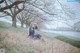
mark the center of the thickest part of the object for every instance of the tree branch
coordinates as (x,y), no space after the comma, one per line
(41,9)
(10,6)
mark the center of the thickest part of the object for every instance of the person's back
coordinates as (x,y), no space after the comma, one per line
(31,31)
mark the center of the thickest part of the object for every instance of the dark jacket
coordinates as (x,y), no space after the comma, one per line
(31,31)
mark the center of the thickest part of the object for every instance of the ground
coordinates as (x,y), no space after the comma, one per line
(17,42)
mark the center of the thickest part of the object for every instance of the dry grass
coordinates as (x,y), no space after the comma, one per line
(16,42)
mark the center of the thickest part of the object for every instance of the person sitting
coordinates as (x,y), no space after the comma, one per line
(33,32)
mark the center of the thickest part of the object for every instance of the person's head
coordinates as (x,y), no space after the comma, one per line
(34,25)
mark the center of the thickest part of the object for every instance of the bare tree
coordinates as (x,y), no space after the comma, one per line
(12,8)
(23,16)
(29,15)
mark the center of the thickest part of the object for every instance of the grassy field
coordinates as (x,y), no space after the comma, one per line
(10,47)
(8,26)
(75,43)
(15,40)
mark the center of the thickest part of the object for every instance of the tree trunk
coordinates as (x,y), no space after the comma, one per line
(14,21)
(22,23)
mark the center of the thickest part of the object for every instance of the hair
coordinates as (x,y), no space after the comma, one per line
(34,25)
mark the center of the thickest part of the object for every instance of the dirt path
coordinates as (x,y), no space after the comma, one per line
(26,44)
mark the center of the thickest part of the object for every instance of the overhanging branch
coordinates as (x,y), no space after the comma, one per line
(10,6)
(41,9)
